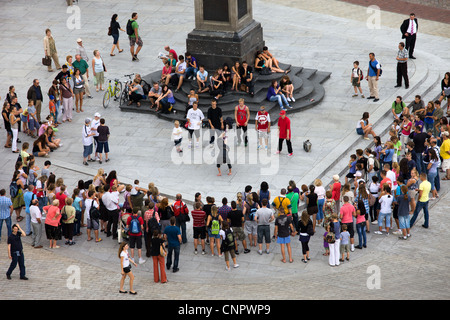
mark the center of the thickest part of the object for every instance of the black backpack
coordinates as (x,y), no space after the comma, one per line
(93,212)
(152,224)
(130,30)
(228,242)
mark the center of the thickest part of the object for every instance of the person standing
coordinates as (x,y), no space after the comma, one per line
(81,50)
(50,50)
(402,66)
(6,209)
(36,224)
(264,216)
(103,136)
(242,116)
(158,259)
(114,28)
(181,213)
(173,236)
(262,126)
(424,197)
(99,69)
(35,94)
(283,230)
(445,154)
(135,225)
(67,99)
(133,36)
(373,74)
(409,33)
(215,121)
(198,222)
(284,126)
(88,141)
(83,66)
(194,118)
(15,252)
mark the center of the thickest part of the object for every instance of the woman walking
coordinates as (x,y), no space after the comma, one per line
(125,267)
(114,30)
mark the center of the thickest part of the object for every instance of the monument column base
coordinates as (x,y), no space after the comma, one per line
(214,48)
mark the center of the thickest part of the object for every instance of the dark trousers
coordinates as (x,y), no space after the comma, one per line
(182,226)
(241,129)
(113,220)
(17,257)
(135,97)
(212,134)
(402,72)
(410,43)
(288,142)
(176,252)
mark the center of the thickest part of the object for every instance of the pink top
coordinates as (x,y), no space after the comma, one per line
(347,213)
(360,218)
(50,219)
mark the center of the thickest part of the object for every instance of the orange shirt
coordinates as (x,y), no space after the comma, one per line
(51,213)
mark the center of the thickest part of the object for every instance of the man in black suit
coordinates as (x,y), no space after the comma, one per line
(409,31)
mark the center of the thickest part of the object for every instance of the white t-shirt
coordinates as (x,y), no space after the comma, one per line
(177,133)
(35,214)
(126,259)
(222,233)
(386,203)
(87,140)
(181,67)
(195,117)
(391,176)
(320,191)
(88,205)
(94,125)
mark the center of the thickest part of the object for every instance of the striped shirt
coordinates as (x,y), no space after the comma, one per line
(402,54)
(198,218)
(5,204)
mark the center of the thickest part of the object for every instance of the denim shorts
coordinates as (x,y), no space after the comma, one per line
(264,233)
(382,216)
(87,150)
(359,131)
(404,222)
(213,236)
(285,240)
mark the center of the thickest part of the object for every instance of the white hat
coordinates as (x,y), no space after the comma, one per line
(79,40)
(97,115)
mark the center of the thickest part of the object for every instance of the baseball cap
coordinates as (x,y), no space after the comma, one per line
(282,112)
(446,133)
(51,97)
(97,115)
(87,120)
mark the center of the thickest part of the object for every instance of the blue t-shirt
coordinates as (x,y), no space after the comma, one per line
(373,68)
(388,156)
(345,237)
(353,167)
(172,233)
(27,197)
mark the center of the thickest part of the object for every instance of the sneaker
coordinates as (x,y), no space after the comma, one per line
(289,106)
(195,251)
(362,96)
(288,99)
(190,145)
(136,58)
(203,252)
(354,95)
(197,145)
(397,232)
(378,232)
(227,268)
(277,152)
(267,251)
(85,163)
(259,147)
(290,154)
(141,261)
(374,222)
(194,78)
(236,266)
(260,252)
(246,250)
(403,238)
(293,100)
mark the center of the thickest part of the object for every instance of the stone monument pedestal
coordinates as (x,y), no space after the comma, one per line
(224,32)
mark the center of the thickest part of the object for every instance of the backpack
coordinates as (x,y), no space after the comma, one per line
(63,214)
(280,208)
(93,212)
(310,229)
(13,189)
(228,242)
(215,226)
(252,213)
(135,226)
(152,224)
(361,75)
(130,30)
(376,164)
(375,70)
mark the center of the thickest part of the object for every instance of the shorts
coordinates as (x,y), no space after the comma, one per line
(404,222)
(213,236)
(355,82)
(264,233)
(446,164)
(133,41)
(284,240)
(359,131)
(343,248)
(51,232)
(412,194)
(102,145)
(263,134)
(251,227)
(87,150)
(383,216)
(92,224)
(78,90)
(178,141)
(135,241)
(24,118)
(200,232)
(115,38)
(228,253)
(238,233)
(127,269)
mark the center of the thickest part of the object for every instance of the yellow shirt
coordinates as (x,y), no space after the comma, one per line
(284,201)
(445,148)
(425,186)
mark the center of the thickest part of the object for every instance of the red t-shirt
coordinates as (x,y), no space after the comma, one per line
(198,218)
(241,115)
(62,200)
(262,121)
(336,191)
(141,223)
(284,125)
(347,213)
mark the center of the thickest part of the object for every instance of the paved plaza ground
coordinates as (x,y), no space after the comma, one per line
(312,35)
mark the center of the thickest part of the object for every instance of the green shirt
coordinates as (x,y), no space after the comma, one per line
(82,65)
(293,197)
(134,25)
(398,107)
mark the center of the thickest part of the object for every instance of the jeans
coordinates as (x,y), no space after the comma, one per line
(437,182)
(280,99)
(176,251)
(8,226)
(419,206)
(320,205)
(419,163)
(182,226)
(384,216)
(27,223)
(361,229)
(432,179)
(191,71)
(17,257)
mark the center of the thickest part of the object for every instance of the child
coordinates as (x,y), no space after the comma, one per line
(355,79)
(52,108)
(352,166)
(228,245)
(192,97)
(345,243)
(397,147)
(46,169)
(325,242)
(24,120)
(177,136)
(396,126)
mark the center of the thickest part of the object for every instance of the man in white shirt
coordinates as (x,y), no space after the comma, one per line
(36,224)
(409,31)
(390,175)
(94,125)
(88,141)
(180,71)
(81,50)
(112,205)
(194,117)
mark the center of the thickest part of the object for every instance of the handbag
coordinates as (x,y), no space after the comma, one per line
(265,71)
(64,214)
(162,250)
(109,31)
(47,61)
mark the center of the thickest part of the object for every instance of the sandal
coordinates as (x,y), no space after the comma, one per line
(112,54)
(19,218)
(99,239)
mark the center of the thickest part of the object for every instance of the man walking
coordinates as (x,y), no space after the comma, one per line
(6,209)
(402,66)
(83,66)
(35,94)
(284,126)
(409,31)
(373,74)
(133,36)
(15,252)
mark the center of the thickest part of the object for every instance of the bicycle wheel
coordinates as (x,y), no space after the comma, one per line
(106,99)
(117,90)
(123,98)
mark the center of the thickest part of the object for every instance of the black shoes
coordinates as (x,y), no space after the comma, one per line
(371,97)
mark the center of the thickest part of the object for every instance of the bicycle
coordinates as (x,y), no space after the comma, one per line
(112,91)
(124,97)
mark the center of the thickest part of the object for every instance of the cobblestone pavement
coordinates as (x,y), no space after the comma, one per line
(406,269)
